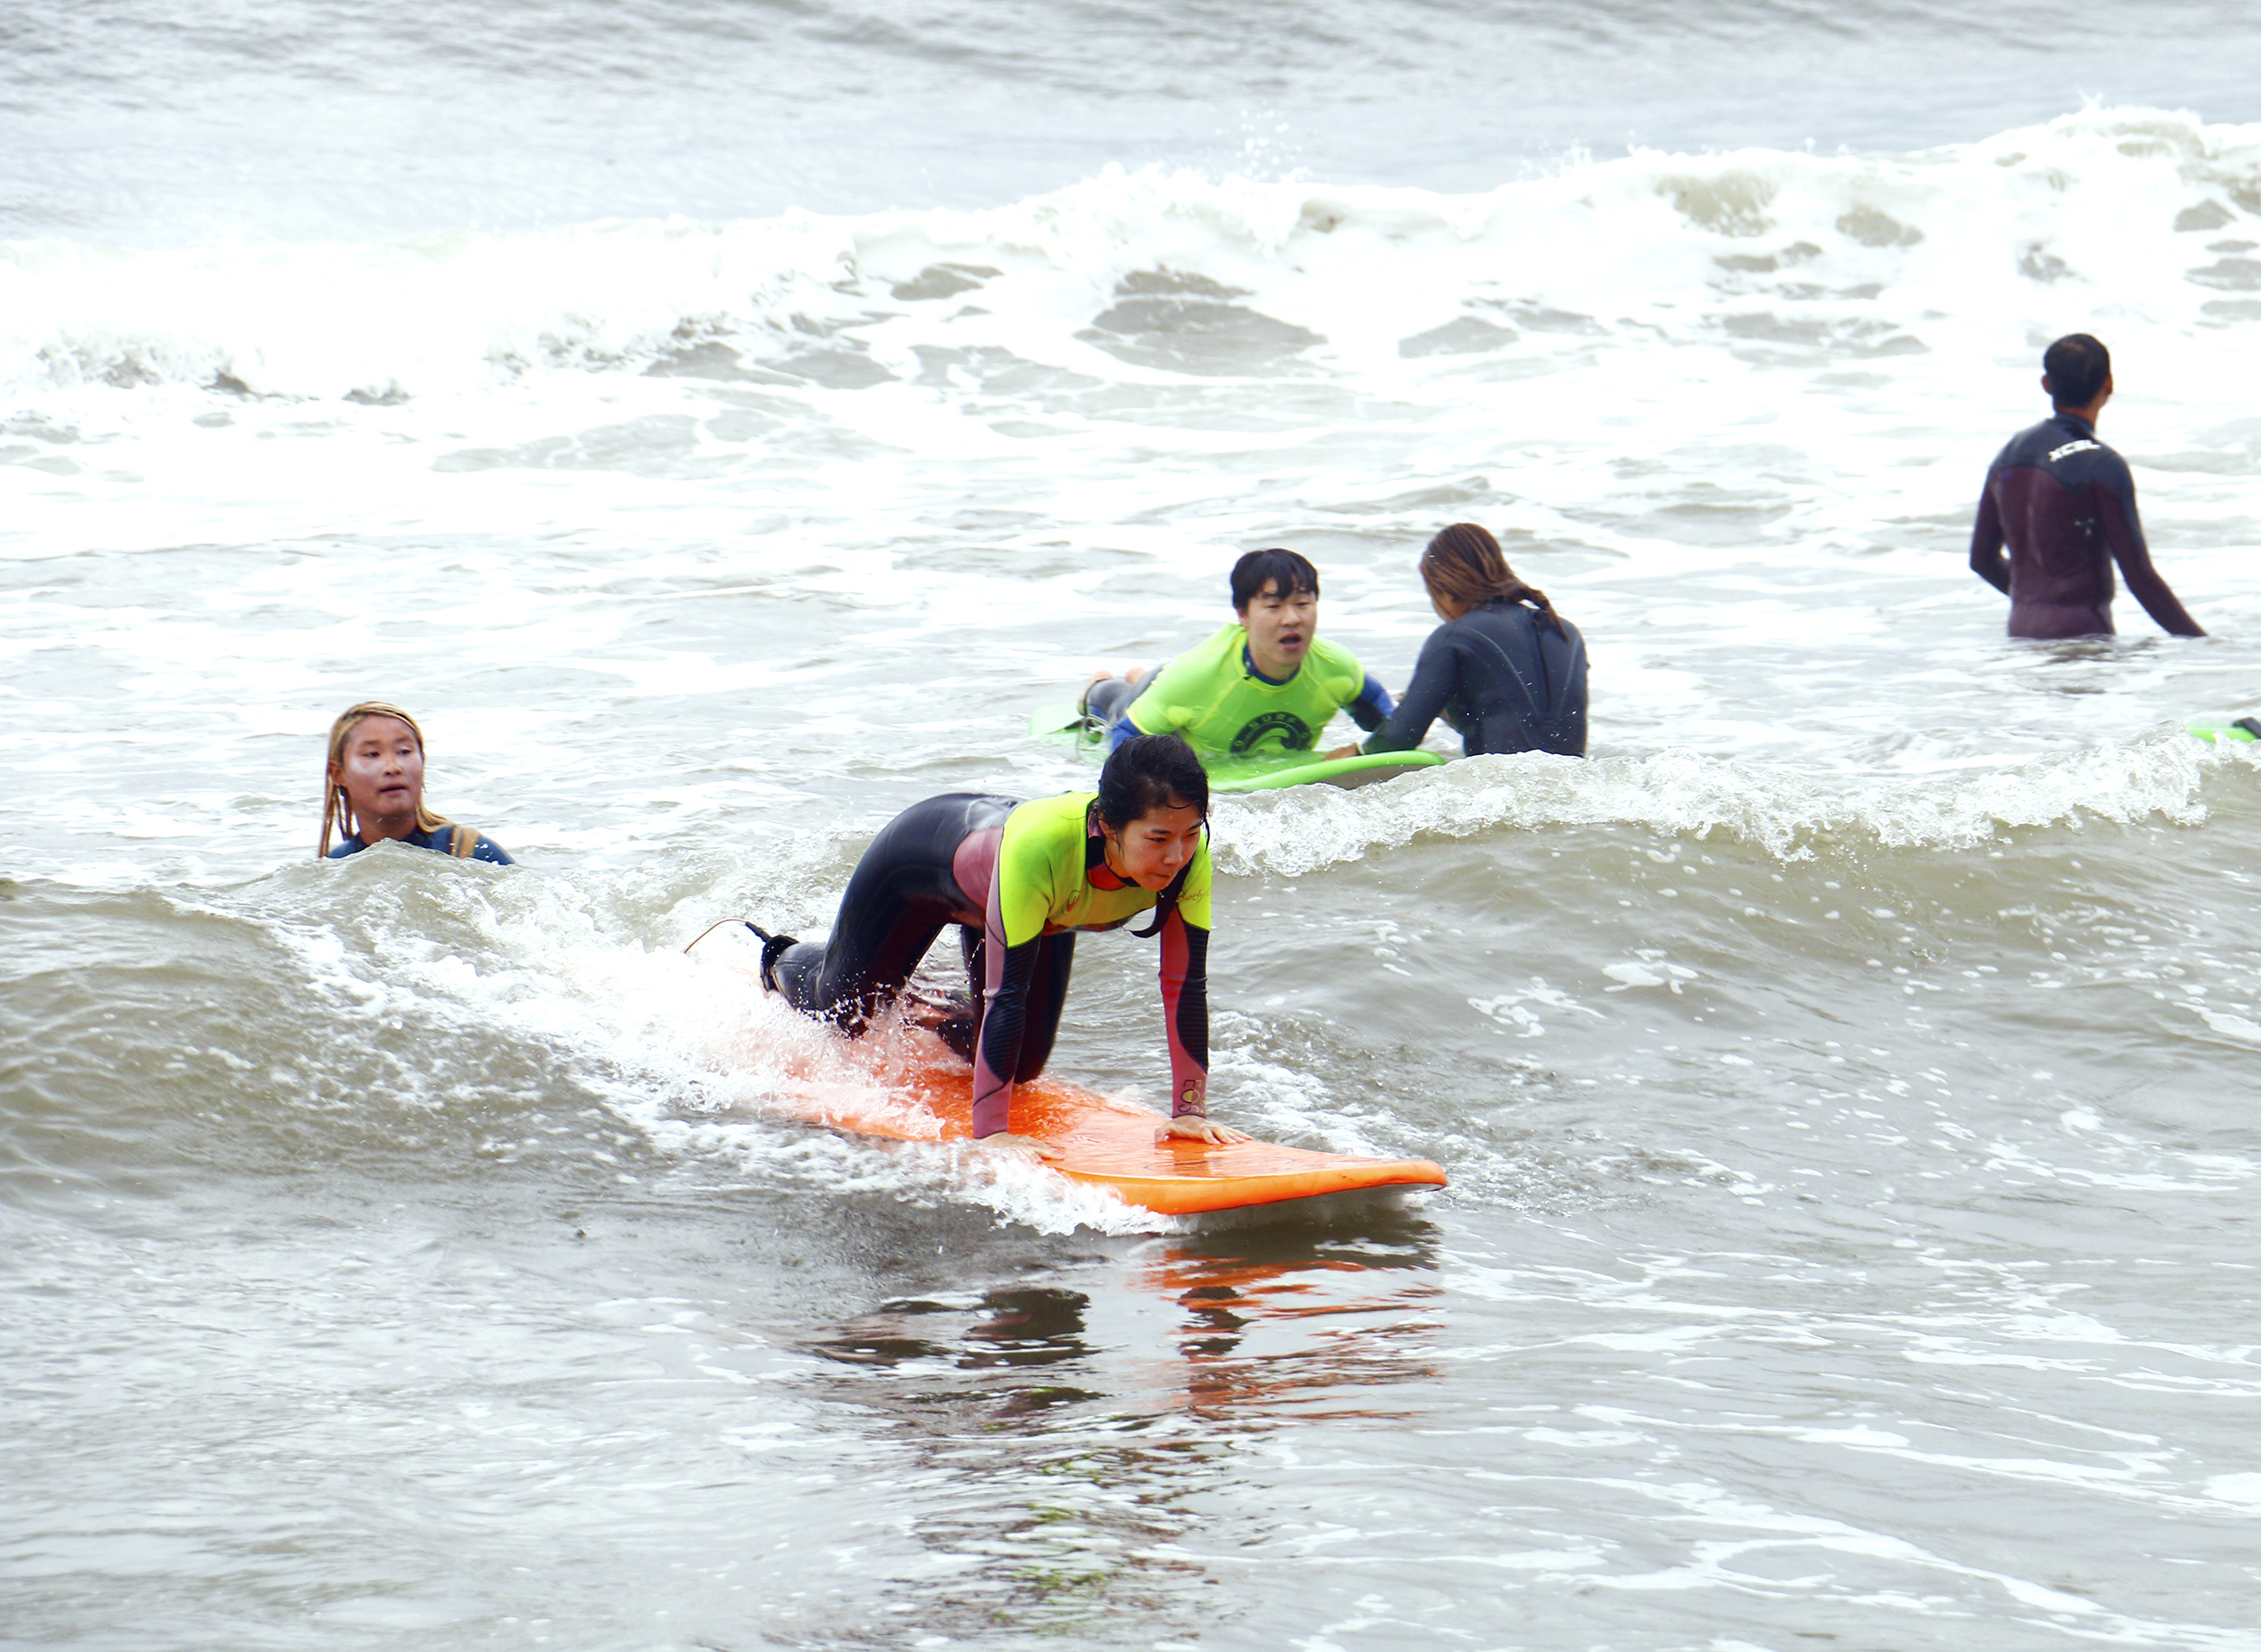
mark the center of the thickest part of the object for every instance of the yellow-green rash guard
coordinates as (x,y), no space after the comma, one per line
(1043,882)
(1050,875)
(1214,696)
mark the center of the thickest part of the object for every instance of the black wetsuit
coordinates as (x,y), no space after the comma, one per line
(2066,506)
(440,839)
(902,893)
(1504,678)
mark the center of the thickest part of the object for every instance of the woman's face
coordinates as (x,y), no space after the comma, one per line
(383,772)
(1155,848)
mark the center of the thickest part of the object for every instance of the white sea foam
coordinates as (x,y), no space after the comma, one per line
(689,1050)
(1790,815)
(1760,256)
(1731,409)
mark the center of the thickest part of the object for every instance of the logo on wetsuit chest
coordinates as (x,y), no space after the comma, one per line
(1295,734)
(2082,445)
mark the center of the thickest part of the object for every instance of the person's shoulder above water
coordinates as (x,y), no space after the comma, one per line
(1336,668)
(373,791)
(441,840)
(2062,444)
(1216,656)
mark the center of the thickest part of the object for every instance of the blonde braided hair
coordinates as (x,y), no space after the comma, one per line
(337,808)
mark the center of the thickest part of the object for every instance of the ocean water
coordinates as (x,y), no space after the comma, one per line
(724,425)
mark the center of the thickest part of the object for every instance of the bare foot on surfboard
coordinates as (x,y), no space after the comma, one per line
(1194,1128)
(1020,1147)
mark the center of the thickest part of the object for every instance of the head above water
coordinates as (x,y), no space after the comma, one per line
(374,772)
(1152,806)
(1272,572)
(1275,597)
(1464,569)
(2076,371)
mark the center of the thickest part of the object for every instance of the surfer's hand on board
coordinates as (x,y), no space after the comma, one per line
(1193,1126)
(1023,1147)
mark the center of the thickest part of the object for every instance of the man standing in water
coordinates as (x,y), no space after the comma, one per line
(2065,504)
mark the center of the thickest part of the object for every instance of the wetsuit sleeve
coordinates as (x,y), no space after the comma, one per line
(1004,1017)
(1987,560)
(491,852)
(1436,673)
(1019,903)
(2124,532)
(1372,708)
(1186,1014)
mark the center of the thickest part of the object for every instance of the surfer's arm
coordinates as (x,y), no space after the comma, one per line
(1185,972)
(1373,706)
(2124,532)
(1004,1018)
(1013,923)
(1987,560)
(1186,1015)
(1435,674)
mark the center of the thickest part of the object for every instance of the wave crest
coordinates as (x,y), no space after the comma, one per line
(1758,251)
(1792,815)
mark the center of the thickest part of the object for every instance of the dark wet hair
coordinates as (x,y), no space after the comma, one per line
(1285,569)
(2077,367)
(1464,565)
(1145,773)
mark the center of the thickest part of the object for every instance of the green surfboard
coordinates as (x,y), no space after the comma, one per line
(2226,733)
(1060,726)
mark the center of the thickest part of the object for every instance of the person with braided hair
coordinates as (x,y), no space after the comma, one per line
(372,789)
(1020,879)
(1504,670)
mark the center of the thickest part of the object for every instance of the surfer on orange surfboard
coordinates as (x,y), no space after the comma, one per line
(1020,879)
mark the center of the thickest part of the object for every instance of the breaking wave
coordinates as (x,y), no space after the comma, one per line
(1789,815)
(1767,256)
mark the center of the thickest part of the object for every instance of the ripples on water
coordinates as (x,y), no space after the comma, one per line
(1840,1075)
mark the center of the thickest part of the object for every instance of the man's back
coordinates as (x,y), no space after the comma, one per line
(2065,505)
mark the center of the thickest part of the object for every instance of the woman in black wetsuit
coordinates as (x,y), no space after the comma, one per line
(1504,669)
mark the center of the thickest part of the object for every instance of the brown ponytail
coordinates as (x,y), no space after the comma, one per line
(1464,568)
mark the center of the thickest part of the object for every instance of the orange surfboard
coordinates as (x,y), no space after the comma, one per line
(929,1097)
(1111,1144)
